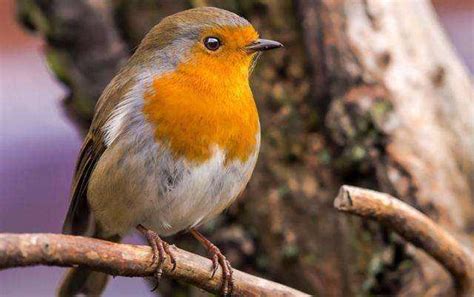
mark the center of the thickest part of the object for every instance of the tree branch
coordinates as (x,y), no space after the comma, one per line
(18,250)
(415,227)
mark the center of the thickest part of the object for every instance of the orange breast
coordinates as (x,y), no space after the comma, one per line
(204,103)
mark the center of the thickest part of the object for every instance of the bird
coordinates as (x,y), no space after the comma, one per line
(173,142)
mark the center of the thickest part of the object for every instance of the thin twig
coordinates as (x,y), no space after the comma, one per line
(18,250)
(416,228)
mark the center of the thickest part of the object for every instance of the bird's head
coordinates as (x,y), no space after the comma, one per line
(214,41)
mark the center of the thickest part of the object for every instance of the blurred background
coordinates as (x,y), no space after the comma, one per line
(40,142)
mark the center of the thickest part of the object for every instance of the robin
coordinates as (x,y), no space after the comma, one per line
(173,141)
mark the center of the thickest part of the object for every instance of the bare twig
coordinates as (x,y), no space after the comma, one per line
(125,260)
(415,227)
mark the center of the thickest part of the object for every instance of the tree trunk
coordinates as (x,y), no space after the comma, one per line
(366,92)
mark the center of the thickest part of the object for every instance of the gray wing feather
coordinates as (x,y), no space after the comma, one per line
(78,216)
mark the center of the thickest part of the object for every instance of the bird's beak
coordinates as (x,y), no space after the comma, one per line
(260,45)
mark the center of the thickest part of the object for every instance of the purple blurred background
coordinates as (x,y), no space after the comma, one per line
(38,151)
(39,145)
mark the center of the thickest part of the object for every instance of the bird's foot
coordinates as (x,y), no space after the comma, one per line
(161,249)
(218,259)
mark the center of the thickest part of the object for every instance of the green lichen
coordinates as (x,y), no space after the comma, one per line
(283,191)
(324,157)
(363,125)
(56,62)
(309,259)
(406,264)
(262,262)
(29,12)
(313,121)
(357,153)
(290,251)
(376,266)
(380,110)
(82,106)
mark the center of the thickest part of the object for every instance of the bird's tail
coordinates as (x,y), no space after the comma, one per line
(83,281)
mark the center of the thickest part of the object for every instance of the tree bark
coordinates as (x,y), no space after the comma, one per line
(366,92)
(414,227)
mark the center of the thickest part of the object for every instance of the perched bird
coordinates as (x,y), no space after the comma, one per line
(173,141)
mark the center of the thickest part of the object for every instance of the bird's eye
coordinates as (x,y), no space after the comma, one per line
(212,43)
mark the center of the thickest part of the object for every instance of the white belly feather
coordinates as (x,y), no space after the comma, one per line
(202,193)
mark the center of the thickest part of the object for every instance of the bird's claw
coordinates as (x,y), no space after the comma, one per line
(166,247)
(218,259)
(215,265)
(161,250)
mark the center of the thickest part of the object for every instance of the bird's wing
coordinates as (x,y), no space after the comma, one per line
(78,219)
(78,216)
